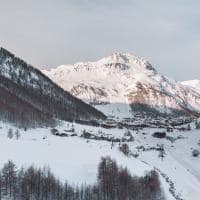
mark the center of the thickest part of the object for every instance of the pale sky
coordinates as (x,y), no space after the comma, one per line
(48,33)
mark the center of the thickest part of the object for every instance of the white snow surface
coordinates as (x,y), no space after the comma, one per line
(76,159)
(194,84)
(116,81)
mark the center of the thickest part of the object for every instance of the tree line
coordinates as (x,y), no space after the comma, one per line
(113,183)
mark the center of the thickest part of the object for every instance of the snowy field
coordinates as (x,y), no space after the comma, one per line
(76,159)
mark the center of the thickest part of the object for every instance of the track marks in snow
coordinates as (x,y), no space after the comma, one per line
(172,188)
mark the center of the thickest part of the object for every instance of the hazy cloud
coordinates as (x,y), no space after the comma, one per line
(48,33)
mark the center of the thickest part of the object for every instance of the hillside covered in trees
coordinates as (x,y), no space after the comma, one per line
(30,99)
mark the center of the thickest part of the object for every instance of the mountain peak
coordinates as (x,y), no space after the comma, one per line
(126,59)
(123,83)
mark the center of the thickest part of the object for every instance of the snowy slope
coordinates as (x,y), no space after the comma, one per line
(76,158)
(194,84)
(114,83)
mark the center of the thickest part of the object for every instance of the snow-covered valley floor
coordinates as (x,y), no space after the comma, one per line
(76,158)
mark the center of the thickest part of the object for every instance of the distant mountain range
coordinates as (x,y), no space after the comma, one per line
(28,98)
(124,86)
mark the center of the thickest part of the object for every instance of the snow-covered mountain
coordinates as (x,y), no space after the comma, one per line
(194,84)
(29,98)
(123,85)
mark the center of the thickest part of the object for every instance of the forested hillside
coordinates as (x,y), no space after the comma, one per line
(29,98)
